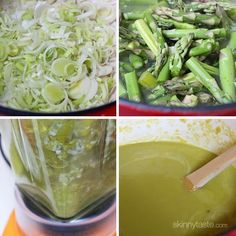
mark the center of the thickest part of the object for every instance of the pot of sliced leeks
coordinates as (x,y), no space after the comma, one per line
(177,58)
(57,57)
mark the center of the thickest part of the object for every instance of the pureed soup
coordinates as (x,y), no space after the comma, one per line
(154,201)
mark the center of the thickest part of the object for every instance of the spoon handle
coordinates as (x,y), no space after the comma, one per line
(204,174)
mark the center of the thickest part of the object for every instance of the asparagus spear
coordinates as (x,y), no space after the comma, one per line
(164,100)
(133,15)
(122,90)
(208,81)
(220,33)
(204,97)
(136,61)
(126,67)
(176,15)
(157,92)
(147,35)
(156,31)
(147,80)
(176,24)
(227,72)
(198,33)
(164,73)
(211,20)
(232,13)
(132,86)
(209,7)
(232,42)
(127,35)
(184,85)
(205,48)
(190,100)
(161,60)
(210,69)
(179,51)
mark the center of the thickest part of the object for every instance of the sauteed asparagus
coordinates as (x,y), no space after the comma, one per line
(181,54)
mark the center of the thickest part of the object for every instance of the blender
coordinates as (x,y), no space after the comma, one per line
(65,172)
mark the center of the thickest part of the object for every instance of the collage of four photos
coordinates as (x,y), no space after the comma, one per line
(118,118)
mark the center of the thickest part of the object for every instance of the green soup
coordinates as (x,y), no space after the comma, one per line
(154,201)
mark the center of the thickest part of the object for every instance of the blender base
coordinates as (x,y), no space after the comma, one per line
(26,222)
(12,229)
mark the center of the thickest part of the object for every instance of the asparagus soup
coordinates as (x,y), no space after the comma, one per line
(154,201)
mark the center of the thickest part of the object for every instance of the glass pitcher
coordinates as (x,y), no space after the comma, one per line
(66,167)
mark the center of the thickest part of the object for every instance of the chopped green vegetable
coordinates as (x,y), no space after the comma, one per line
(48,47)
(53,93)
(184,53)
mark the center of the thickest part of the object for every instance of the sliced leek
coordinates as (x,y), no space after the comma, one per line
(56,56)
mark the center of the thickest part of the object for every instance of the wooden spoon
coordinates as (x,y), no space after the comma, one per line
(203,175)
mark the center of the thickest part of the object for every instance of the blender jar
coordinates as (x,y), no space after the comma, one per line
(66,167)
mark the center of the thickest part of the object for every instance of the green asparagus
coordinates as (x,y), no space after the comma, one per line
(227,72)
(147,80)
(147,35)
(182,54)
(179,52)
(132,86)
(205,78)
(135,61)
(205,48)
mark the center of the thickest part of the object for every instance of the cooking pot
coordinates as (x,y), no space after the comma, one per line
(215,135)
(108,109)
(131,108)
(47,48)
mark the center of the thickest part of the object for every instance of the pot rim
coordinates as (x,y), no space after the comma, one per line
(202,109)
(15,112)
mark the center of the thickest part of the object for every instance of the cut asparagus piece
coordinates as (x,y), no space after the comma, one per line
(176,24)
(157,92)
(210,20)
(161,60)
(156,31)
(210,69)
(208,81)
(147,35)
(164,73)
(136,61)
(205,48)
(198,33)
(179,52)
(232,42)
(133,15)
(132,86)
(227,72)
(147,80)
(122,90)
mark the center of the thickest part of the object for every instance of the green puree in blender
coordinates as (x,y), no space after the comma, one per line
(154,201)
(64,166)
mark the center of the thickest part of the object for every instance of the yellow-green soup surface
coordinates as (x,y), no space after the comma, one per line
(154,201)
